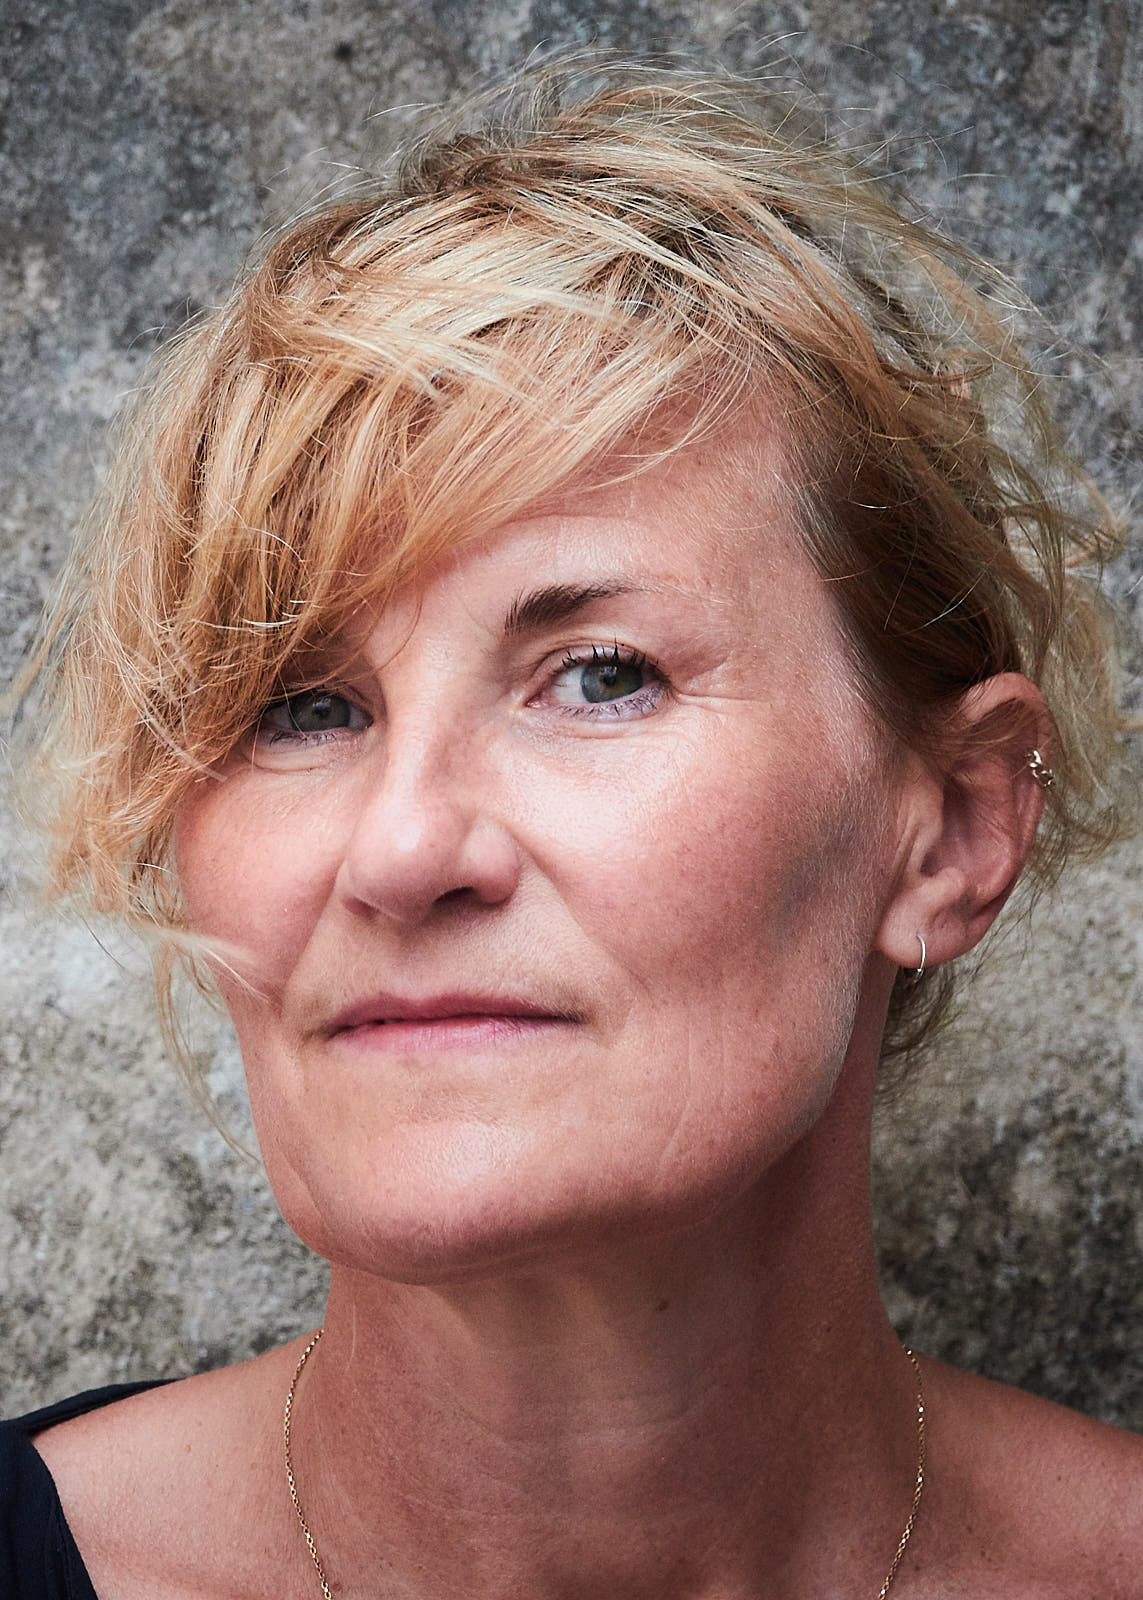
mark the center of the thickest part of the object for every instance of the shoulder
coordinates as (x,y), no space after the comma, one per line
(144,1476)
(1049,1502)
(38,1556)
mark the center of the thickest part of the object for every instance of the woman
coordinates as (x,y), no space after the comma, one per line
(576,649)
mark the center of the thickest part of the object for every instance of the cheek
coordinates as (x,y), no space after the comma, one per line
(253,876)
(708,858)
(735,889)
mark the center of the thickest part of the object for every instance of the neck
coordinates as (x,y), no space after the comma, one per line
(721,1411)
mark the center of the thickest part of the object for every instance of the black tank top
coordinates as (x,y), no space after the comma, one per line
(38,1556)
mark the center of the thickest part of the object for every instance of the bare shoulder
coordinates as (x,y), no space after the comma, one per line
(131,1436)
(151,1472)
(1050,1502)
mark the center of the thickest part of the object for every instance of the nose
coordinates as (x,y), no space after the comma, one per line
(426,831)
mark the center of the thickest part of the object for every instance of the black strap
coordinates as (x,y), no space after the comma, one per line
(39,1559)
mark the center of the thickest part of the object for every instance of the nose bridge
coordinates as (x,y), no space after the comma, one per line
(426,825)
(417,798)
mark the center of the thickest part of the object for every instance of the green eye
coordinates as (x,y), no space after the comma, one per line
(615,681)
(313,711)
(610,679)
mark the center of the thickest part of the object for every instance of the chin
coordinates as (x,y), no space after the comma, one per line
(422,1207)
(449,1239)
(478,1203)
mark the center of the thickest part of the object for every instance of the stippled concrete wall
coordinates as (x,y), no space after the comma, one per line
(145,147)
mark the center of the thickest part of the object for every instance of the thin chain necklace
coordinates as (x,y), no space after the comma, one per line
(918,1488)
(325,1589)
(918,1482)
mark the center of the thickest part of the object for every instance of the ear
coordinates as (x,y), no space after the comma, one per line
(967,822)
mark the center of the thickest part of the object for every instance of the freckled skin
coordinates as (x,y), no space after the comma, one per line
(698,885)
(603,1312)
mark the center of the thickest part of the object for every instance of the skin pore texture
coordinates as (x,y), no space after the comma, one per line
(561,918)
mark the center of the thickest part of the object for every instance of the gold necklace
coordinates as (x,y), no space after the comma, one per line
(918,1487)
(918,1482)
(325,1589)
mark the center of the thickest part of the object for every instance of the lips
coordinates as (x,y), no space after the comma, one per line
(458,1009)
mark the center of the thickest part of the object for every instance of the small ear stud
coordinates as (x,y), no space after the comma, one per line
(912,975)
(1039,769)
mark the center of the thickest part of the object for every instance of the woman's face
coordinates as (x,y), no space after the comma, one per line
(555,905)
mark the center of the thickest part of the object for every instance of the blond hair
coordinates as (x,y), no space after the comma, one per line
(535,283)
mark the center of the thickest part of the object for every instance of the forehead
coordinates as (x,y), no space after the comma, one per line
(715,522)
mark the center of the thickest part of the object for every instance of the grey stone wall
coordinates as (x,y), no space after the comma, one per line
(145,147)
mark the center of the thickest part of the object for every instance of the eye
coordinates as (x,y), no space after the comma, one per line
(599,682)
(308,715)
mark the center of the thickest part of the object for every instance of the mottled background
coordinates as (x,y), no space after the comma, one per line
(145,147)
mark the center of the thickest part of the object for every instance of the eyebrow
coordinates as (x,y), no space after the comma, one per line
(542,608)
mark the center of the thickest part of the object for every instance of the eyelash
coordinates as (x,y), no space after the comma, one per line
(265,734)
(638,704)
